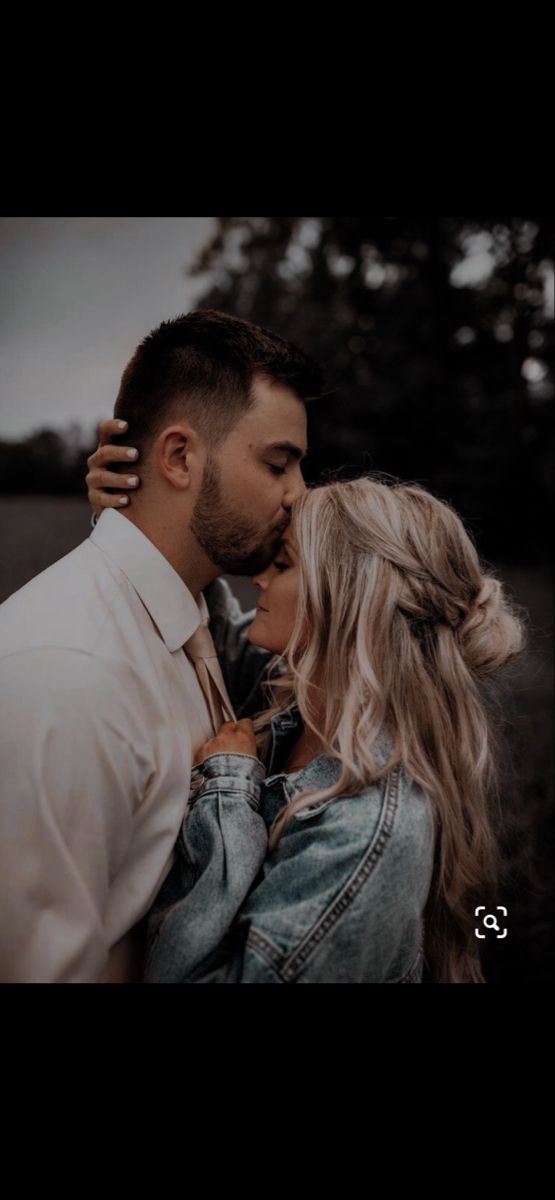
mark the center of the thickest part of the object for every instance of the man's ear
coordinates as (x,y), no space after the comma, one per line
(177,454)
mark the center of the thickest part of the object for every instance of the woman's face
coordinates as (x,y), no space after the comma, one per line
(278,599)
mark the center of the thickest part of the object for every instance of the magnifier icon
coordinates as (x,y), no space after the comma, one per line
(490,922)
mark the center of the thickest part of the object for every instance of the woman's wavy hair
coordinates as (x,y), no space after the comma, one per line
(399,628)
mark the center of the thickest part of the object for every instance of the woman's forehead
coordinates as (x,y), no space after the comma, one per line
(287,542)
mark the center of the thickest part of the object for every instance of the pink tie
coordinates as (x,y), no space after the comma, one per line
(201,650)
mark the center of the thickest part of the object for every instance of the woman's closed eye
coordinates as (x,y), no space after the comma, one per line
(280,566)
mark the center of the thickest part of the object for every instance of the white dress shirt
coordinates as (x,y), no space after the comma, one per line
(100,714)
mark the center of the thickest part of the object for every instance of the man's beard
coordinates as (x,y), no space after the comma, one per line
(230,542)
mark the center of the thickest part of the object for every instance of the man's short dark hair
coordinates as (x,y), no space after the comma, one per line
(201,365)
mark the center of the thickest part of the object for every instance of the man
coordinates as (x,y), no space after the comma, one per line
(101,708)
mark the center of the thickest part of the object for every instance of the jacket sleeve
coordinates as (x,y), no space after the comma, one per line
(219,854)
(324,907)
(244,666)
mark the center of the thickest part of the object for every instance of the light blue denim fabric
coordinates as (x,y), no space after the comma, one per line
(339,900)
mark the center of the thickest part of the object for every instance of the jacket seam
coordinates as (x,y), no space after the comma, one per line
(408,977)
(290,966)
(261,945)
(215,788)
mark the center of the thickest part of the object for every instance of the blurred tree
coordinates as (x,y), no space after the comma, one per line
(436,334)
(46,462)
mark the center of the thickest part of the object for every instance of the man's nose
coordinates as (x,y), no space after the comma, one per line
(294,491)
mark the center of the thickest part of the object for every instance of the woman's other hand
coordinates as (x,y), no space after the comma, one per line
(234,737)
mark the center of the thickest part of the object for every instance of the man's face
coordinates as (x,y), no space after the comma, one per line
(251,481)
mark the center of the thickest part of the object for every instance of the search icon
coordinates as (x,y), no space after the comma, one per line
(490,922)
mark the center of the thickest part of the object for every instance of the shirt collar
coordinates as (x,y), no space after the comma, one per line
(165,596)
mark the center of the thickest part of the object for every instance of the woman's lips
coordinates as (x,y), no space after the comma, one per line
(261,609)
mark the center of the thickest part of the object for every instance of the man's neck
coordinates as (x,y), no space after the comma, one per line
(183,553)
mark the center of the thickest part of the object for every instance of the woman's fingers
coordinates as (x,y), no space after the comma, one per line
(111,454)
(100,500)
(232,735)
(98,479)
(109,429)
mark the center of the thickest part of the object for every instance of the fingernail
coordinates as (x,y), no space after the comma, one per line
(132,480)
(123,499)
(132,453)
(122,424)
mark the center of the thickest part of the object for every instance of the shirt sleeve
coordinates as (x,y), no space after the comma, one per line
(244,666)
(73,773)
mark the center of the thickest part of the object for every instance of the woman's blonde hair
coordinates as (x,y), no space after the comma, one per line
(399,628)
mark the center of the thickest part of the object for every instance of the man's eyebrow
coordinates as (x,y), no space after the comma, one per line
(289,448)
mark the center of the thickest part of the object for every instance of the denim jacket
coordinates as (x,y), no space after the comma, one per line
(340,899)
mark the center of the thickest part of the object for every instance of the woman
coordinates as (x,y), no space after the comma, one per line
(348,833)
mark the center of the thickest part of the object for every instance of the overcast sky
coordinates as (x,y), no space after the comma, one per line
(77,294)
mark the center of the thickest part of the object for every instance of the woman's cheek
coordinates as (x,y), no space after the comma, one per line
(255,634)
(251,634)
